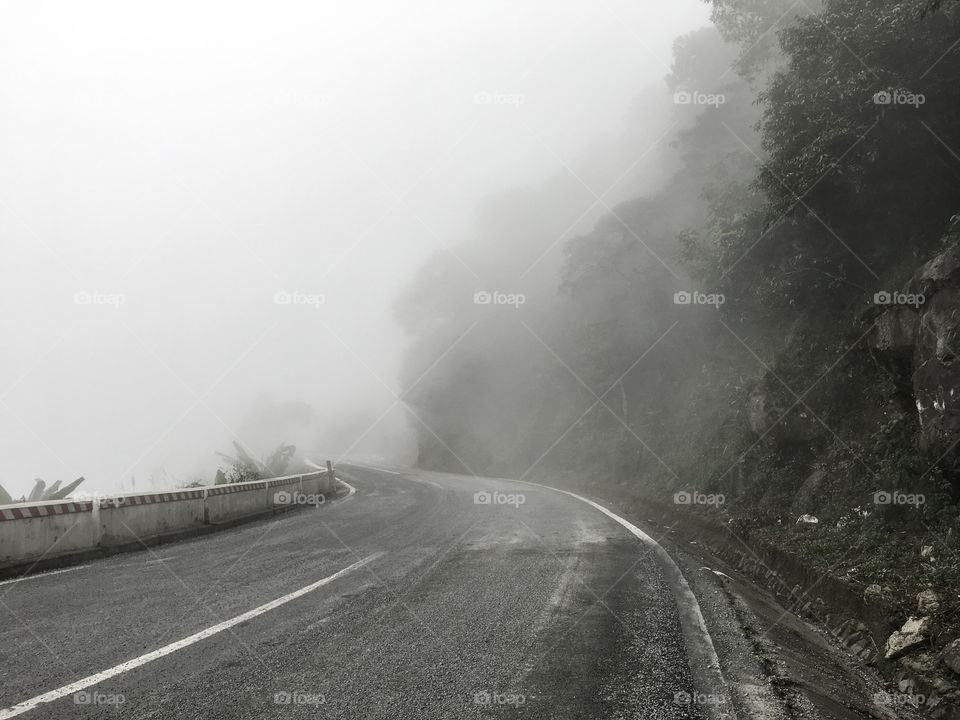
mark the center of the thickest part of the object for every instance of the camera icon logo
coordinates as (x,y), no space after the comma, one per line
(482,498)
(682,498)
(682,298)
(282,498)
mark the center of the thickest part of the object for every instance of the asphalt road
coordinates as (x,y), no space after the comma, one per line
(443,608)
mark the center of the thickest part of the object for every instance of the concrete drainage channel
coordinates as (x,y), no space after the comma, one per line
(41,536)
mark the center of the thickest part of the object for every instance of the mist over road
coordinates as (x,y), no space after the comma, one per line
(532,604)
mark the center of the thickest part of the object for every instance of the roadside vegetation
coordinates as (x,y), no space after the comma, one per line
(42,493)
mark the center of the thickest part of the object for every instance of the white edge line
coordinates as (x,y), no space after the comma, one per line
(90,680)
(350,488)
(42,575)
(698,637)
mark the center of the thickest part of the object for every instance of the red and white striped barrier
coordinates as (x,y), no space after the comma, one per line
(36,510)
(238,487)
(150,498)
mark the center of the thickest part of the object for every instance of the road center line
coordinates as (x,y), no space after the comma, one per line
(91,680)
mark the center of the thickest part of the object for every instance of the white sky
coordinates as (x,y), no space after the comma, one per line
(198,157)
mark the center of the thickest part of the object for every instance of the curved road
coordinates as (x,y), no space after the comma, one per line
(408,599)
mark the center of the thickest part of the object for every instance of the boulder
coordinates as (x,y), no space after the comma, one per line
(913,634)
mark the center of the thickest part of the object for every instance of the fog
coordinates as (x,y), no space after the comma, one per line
(209,210)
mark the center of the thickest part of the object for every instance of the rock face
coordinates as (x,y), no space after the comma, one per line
(936,382)
(925,336)
(937,378)
(895,328)
(912,634)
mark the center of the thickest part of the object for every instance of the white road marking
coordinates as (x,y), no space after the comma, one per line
(351,491)
(378,469)
(42,575)
(389,472)
(428,482)
(91,680)
(697,637)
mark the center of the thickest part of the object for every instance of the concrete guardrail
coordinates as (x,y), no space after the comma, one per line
(45,534)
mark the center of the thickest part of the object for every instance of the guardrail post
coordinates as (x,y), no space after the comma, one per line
(95,518)
(330,478)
